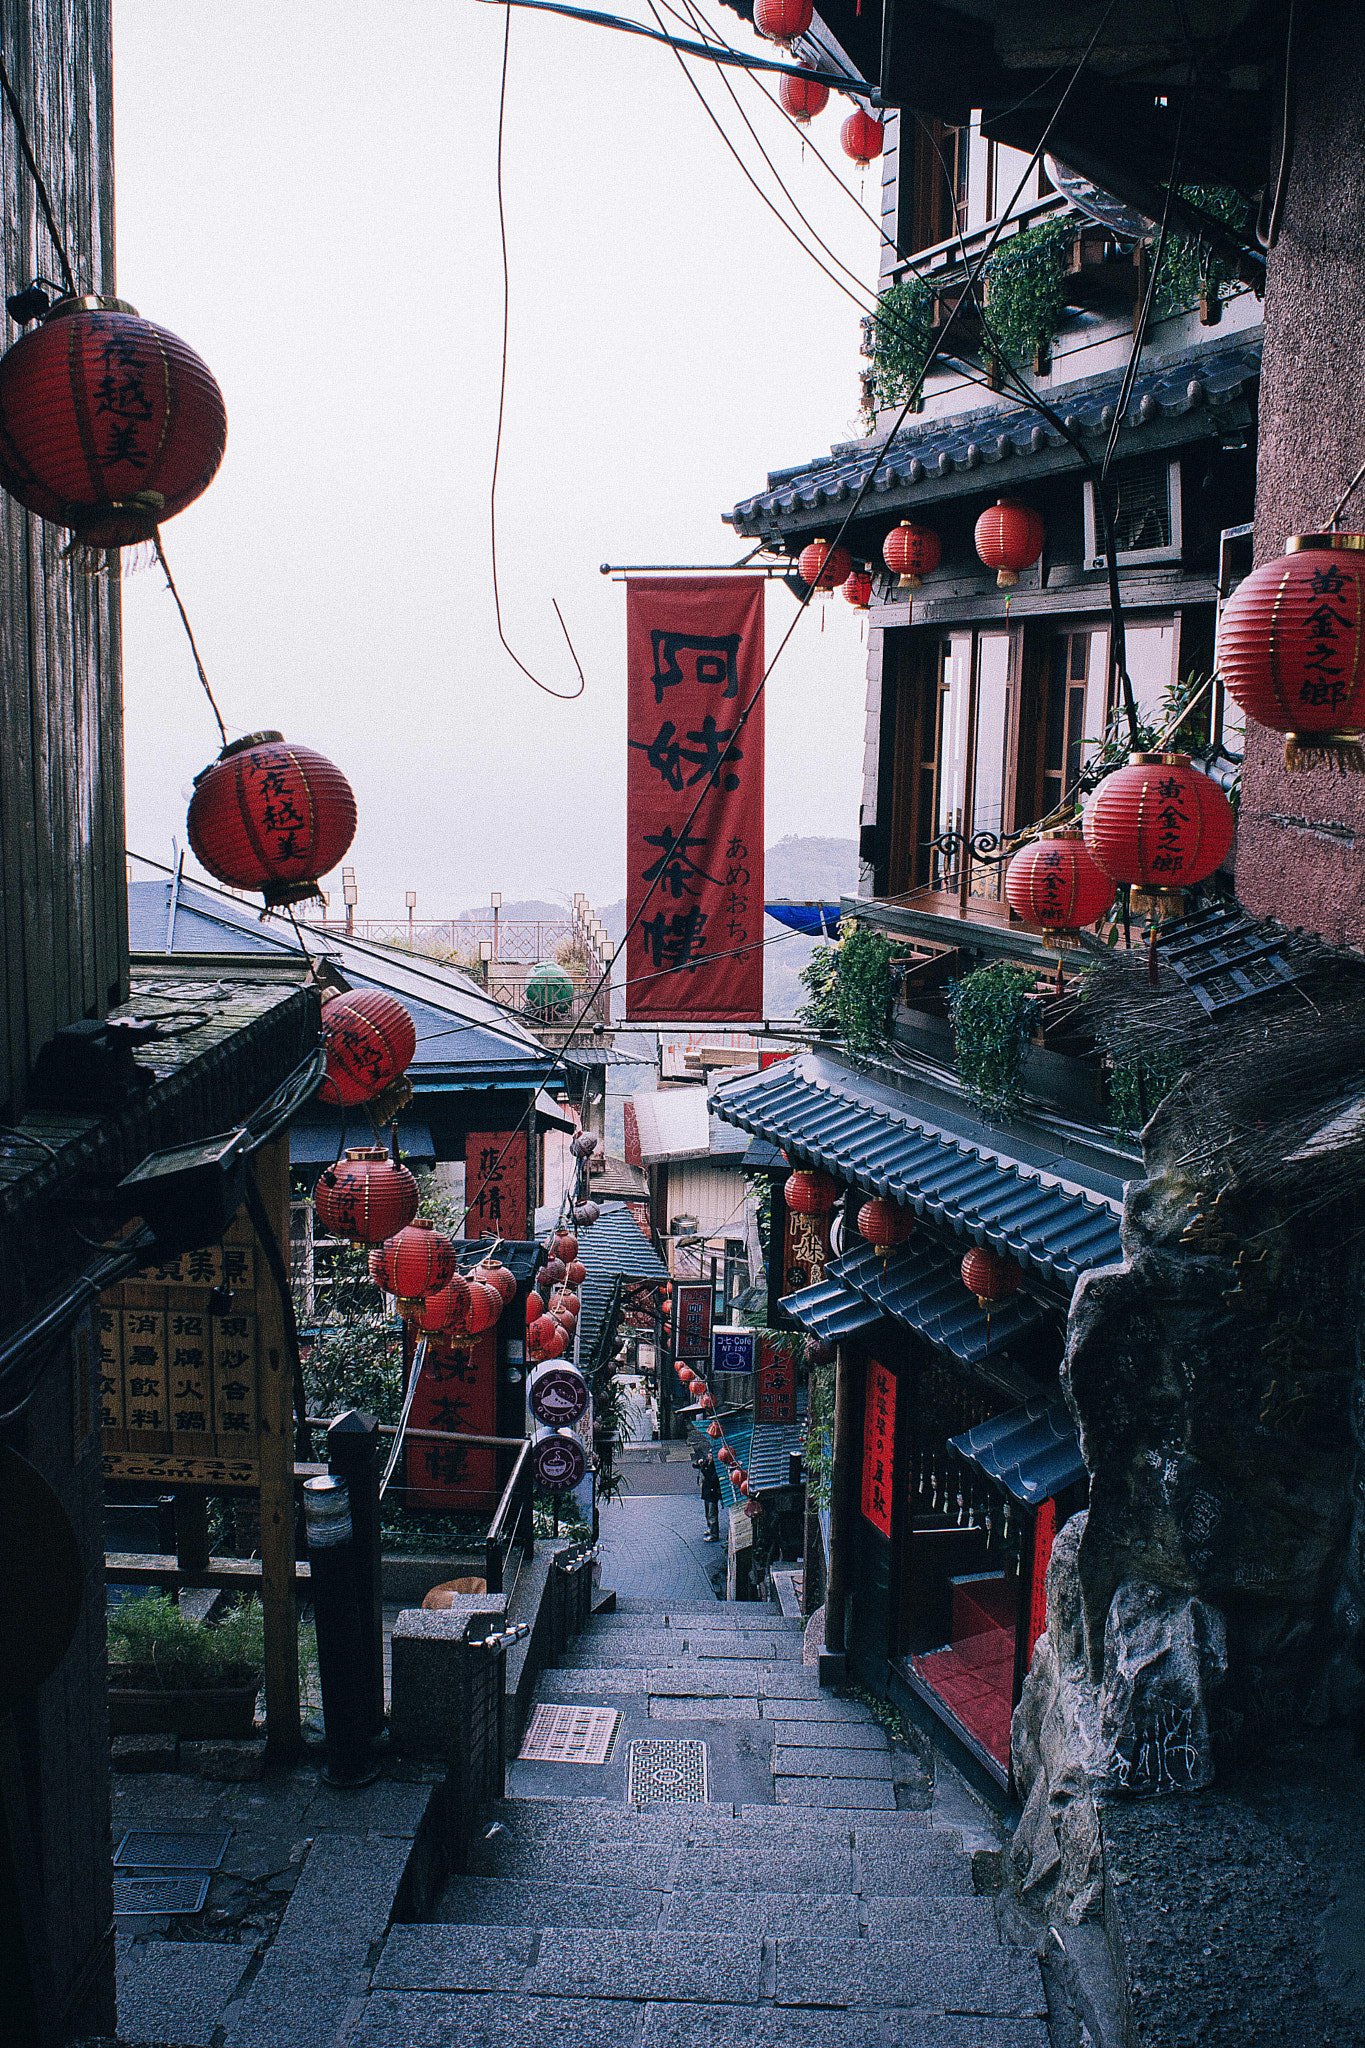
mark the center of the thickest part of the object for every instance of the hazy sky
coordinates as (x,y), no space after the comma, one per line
(307,195)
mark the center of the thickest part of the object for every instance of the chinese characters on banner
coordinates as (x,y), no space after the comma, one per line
(775,1393)
(495,1184)
(804,1251)
(694,660)
(692,1320)
(879,1446)
(457,1392)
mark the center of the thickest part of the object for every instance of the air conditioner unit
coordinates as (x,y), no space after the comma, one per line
(1144,505)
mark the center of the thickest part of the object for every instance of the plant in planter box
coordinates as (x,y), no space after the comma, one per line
(993,1013)
(167,1672)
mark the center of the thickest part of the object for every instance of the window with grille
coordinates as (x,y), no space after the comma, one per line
(1143,497)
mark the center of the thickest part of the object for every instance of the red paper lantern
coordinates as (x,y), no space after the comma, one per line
(417,1261)
(535,1308)
(911,553)
(565,1245)
(367,1198)
(375,1266)
(726,1455)
(857,588)
(541,1333)
(271,817)
(1009,537)
(803,98)
(884,1224)
(569,1305)
(482,1309)
(556,1344)
(1290,648)
(442,1312)
(553,1272)
(823,567)
(781,20)
(370,1041)
(577,1273)
(498,1277)
(1055,883)
(989,1276)
(713,1429)
(862,136)
(1159,823)
(810,1194)
(108,424)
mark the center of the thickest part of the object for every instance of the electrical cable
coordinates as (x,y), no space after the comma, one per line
(68,275)
(189,635)
(1269,235)
(564,696)
(418,1362)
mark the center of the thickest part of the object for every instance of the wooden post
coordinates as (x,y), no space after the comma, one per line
(840,1518)
(191,1531)
(352,1455)
(282,1726)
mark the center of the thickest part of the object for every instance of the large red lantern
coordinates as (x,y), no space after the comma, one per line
(108,424)
(781,20)
(367,1198)
(1009,537)
(862,136)
(884,1224)
(810,1194)
(370,1040)
(482,1308)
(417,1261)
(1055,883)
(1290,648)
(1159,823)
(442,1312)
(911,553)
(823,567)
(990,1276)
(271,817)
(803,98)
(857,589)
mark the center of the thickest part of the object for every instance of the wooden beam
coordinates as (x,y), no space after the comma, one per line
(152,1568)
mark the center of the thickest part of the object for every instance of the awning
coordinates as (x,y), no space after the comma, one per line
(821,1116)
(922,1288)
(317,1145)
(614,1251)
(763,1448)
(551,1117)
(1032,1452)
(831,1310)
(815,920)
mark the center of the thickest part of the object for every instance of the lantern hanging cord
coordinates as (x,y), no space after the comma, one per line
(1346,497)
(564,696)
(189,631)
(26,148)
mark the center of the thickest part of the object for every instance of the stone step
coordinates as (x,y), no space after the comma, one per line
(761,1652)
(573,1821)
(503,1902)
(831,1760)
(717,1618)
(813,1734)
(842,1794)
(972,1977)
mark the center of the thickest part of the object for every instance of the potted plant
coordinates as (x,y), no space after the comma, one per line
(171,1675)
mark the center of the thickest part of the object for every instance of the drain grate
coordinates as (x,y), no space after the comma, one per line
(159,1894)
(569,1735)
(150,1849)
(668,1770)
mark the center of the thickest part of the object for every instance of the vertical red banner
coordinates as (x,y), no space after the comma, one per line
(694,663)
(495,1184)
(457,1392)
(775,1388)
(879,1445)
(692,1320)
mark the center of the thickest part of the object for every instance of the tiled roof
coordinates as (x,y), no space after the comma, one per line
(1002,441)
(922,1288)
(831,1310)
(1032,1451)
(975,1191)
(763,1448)
(613,1250)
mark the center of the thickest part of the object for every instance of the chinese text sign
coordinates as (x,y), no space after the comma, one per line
(879,1446)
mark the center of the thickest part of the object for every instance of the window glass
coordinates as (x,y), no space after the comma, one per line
(1152,649)
(992,730)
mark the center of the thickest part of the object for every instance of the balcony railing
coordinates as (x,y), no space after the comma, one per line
(503,954)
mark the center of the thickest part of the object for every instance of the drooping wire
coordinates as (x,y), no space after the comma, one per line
(26,147)
(564,696)
(189,632)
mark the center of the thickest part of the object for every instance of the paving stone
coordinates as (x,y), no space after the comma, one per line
(613,1636)
(931,1922)
(736,1619)
(896,1870)
(816,1707)
(417,2019)
(719,1911)
(688,1707)
(625,1657)
(456,1959)
(605,1683)
(498,1902)
(852,1735)
(346,1893)
(795,1684)
(697,1682)
(176,1990)
(159,1798)
(719,1969)
(685,2026)
(141,1753)
(299,1998)
(973,1980)
(743,1645)
(230,1763)
(831,1761)
(828,1868)
(844,1793)
(384,1808)
(586,1862)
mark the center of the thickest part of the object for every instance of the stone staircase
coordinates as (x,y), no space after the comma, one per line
(814,1898)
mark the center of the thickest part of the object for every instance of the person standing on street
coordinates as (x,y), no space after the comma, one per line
(710,1498)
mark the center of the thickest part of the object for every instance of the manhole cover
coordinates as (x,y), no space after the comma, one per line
(158,1894)
(667,1770)
(148,1849)
(569,1735)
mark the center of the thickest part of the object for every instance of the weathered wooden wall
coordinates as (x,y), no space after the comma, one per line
(63,902)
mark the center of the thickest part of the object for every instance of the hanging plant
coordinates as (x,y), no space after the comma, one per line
(896,340)
(993,1013)
(1026,290)
(1137,1088)
(850,988)
(1190,269)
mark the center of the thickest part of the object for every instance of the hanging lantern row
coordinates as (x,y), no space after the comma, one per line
(1290,649)
(1009,537)
(367,1199)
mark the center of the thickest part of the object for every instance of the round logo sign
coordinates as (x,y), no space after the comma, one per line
(560,1461)
(559,1393)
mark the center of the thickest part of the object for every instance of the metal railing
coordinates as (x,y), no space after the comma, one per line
(514,1516)
(503,953)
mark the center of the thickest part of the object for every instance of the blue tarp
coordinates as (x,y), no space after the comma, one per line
(806,917)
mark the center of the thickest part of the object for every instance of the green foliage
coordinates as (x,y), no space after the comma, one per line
(151,1641)
(761,1188)
(817,1453)
(1189,266)
(1026,290)
(1137,1088)
(897,339)
(993,1013)
(850,988)
(1171,733)
(820,977)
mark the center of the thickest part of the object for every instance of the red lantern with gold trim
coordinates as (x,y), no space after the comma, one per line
(1159,823)
(862,137)
(857,589)
(824,567)
(367,1198)
(108,424)
(271,817)
(990,1276)
(1291,648)
(370,1040)
(1009,537)
(482,1309)
(417,1261)
(802,98)
(1055,883)
(810,1194)
(911,553)
(442,1312)
(884,1224)
(782,20)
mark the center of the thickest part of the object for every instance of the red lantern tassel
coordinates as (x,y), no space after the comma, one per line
(1343,751)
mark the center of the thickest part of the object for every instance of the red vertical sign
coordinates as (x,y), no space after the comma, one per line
(694,664)
(692,1320)
(879,1446)
(775,1393)
(457,1392)
(495,1184)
